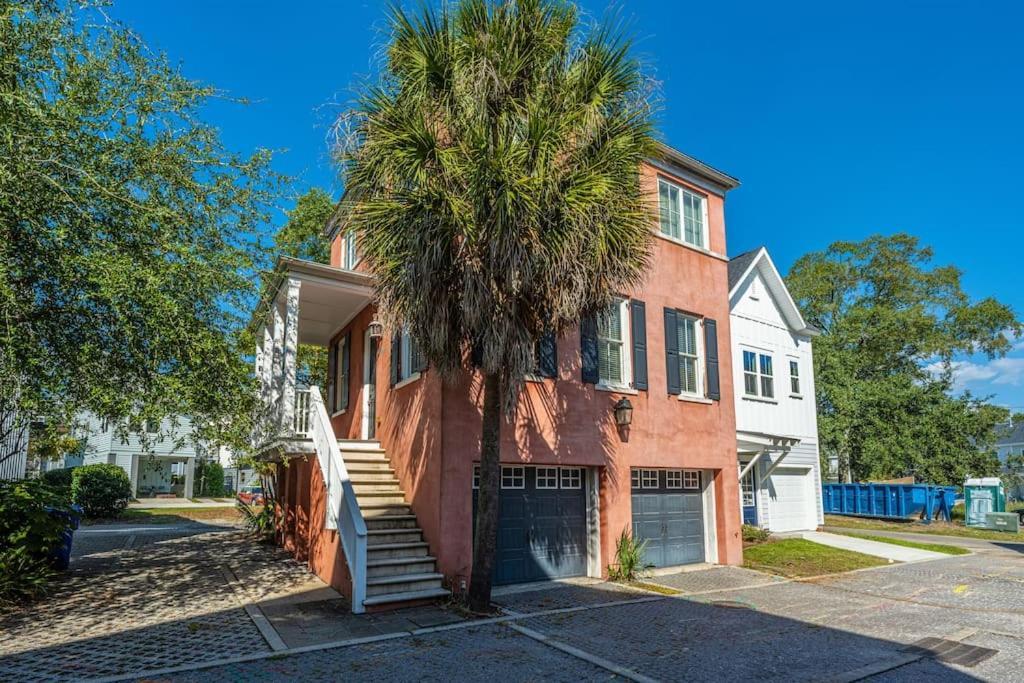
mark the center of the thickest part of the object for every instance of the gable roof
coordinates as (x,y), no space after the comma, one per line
(1010,434)
(758,259)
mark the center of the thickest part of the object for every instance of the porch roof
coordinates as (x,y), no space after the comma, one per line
(755,442)
(329,297)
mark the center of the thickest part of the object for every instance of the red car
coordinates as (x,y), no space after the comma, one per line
(251,495)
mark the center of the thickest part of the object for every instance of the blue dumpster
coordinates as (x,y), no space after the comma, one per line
(892,501)
(60,558)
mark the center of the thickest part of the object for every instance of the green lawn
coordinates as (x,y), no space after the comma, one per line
(795,558)
(935,528)
(934,547)
(171,515)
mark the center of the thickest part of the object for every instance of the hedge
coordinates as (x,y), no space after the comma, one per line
(101,490)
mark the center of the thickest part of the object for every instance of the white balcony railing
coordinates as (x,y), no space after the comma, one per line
(301,421)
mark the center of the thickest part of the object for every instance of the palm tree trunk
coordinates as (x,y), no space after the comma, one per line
(486,535)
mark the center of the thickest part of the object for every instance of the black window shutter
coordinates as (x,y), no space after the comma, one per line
(711,354)
(396,355)
(547,355)
(638,323)
(346,364)
(588,350)
(332,364)
(675,385)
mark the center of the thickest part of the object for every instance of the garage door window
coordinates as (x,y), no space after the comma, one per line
(476,476)
(634,478)
(547,477)
(513,477)
(572,478)
(649,479)
(691,479)
(674,479)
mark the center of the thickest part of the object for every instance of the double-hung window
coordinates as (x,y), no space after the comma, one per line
(682,214)
(794,377)
(758,377)
(349,255)
(613,360)
(687,330)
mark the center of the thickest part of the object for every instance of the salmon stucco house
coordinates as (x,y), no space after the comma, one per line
(378,490)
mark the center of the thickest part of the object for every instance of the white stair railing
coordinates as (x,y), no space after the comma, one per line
(343,511)
(301,421)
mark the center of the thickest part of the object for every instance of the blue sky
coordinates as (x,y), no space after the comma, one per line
(841,119)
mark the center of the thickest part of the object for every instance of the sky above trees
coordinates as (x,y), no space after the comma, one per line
(841,121)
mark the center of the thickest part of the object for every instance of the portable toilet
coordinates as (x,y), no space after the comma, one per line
(982,496)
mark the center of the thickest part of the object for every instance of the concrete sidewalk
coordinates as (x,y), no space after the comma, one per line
(894,553)
(185,503)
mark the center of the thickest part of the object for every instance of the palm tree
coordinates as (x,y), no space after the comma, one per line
(492,178)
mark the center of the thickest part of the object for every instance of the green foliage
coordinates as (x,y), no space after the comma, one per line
(1013,475)
(130,235)
(260,520)
(102,490)
(754,534)
(629,558)
(28,535)
(303,235)
(891,325)
(208,479)
(59,480)
(492,178)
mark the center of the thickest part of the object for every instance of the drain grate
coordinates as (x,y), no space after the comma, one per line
(950,651)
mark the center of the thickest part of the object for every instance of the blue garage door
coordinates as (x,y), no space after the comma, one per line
(542,524)
(668,513)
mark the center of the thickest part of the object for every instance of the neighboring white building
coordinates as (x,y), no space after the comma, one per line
(159,461)
(1011,442)
(776,418)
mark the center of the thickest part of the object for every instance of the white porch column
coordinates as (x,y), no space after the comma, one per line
(266,367)
(291,351)
(190,476)
(276,366)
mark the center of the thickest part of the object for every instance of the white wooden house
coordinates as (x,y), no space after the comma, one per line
(776,419)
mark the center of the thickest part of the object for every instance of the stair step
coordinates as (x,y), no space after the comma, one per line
(408,596)
(391,497)
(360,475)
(359,445)
(390,536)
(400,565)
(403,583)
(377,487)
(391,522)
(393,550)
(372,510)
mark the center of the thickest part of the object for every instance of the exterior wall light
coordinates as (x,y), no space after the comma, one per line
(623,412)
(376,329)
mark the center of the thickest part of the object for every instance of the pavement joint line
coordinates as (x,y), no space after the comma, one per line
(350,642)
(581,654)
(874,669)
(259,620)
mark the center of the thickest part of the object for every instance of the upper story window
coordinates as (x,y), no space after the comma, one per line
(407,359)
(613,360)
(349,254)
(794,377)
(683,214)
(758,378)
(687,328)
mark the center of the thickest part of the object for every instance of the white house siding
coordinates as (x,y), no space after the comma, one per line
(757,324)
(16,441)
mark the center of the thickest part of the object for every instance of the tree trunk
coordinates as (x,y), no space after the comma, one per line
(486,534)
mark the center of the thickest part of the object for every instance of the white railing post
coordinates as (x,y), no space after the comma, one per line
(290,351)
(342,511)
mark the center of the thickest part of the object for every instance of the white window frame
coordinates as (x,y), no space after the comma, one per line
(549,475)
(634,478)
(682,192)
(627,348)
(747,490)
(405,371)
(645,479)
(691,480)
(513,473)
(794,364)
(574,475)
(673,479)
(339,372)
(349,252)
(757,374)
(698,332)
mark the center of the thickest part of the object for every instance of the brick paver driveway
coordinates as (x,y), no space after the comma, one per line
(140,598)
(724,624)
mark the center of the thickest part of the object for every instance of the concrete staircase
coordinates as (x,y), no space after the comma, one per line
(399,567)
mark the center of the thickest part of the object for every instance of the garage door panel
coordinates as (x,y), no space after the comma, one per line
(671,522)
(791,498)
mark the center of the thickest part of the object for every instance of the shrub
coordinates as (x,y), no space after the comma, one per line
(753,534)
(209,479)
(261,521)
(28,536)
(629,558)
(59,480)
(101,490)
